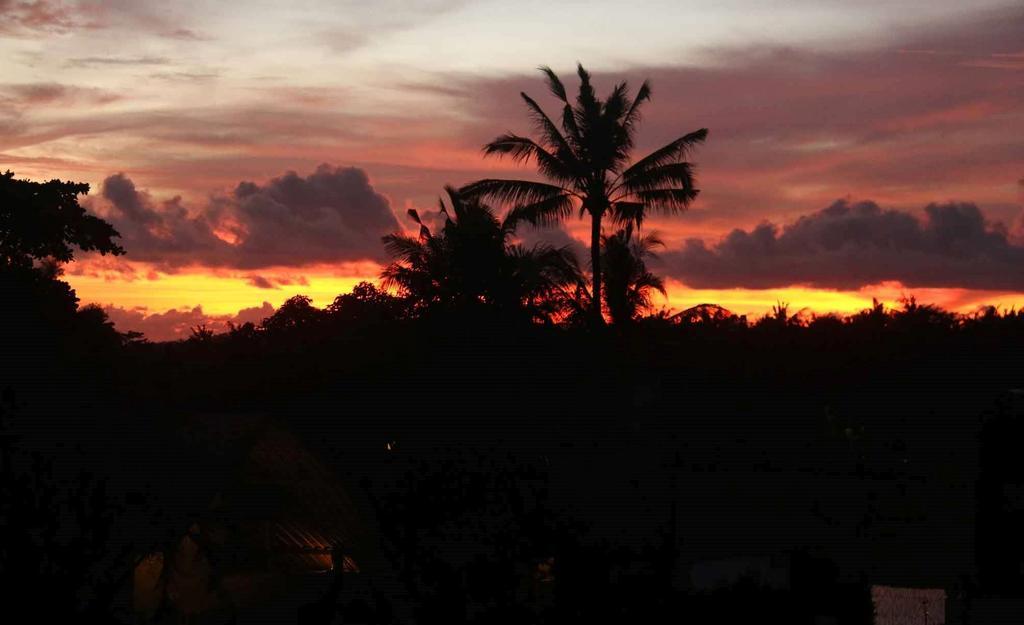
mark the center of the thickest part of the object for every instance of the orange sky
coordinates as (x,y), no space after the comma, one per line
(187,119)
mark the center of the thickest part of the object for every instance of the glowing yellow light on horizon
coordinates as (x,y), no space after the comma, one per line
(756,302)
(217,294)
(227,293)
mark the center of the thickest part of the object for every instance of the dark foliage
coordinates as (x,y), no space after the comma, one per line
(41,220)
(41,224)
(472,264)
(629,285)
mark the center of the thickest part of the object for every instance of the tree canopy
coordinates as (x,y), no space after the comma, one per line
(43,220)
(473,262)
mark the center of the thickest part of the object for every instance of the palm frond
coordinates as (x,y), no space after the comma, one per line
(452,193)
(547,128)
(616,104)
(618,137)
(669,175)
(415,216)
(458,206)
(572,131)
(401,246)
(673,151)
(588,107)
(647,243)
(668,200)
(544,212)
(638,295)
(633,114)
(648,280)
(522,149)
(513,192)
(554,83)
(586,94)
(627,213)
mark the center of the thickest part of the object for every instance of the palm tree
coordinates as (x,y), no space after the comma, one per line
(629,286)
(587,164)
(473,262)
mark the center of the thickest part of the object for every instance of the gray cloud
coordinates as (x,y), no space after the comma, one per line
(19,100)
(87,61)
(331,215)
(121,191)
(261,282)
(186,34)
(850,245)
(36,93)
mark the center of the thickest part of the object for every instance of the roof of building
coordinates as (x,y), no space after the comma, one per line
(266,475)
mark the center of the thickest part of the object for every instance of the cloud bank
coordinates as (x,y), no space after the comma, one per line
(331,215)
(851,245)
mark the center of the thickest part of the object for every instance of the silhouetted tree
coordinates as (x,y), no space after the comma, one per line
(588,164)
(923,317)
(779,317)
(40,220)
(628,283)
(473,263)
(41,225)
(296,313)
(366,304)
(201,334)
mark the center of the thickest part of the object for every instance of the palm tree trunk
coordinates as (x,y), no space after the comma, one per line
(595,267)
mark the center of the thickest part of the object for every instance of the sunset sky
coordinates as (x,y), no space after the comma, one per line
(254,150)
